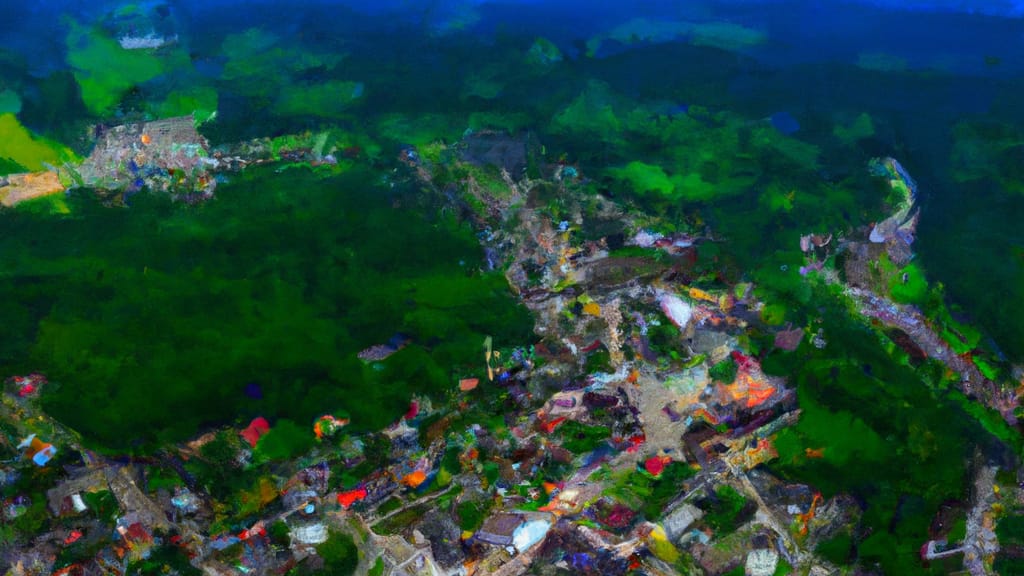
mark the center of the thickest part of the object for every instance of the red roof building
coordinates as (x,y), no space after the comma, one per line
(257,428)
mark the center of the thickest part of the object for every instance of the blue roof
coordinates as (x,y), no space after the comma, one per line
(44,455)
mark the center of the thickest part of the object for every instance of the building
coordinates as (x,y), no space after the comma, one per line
(500,529)
(677,521)
(761,562)
(38,451)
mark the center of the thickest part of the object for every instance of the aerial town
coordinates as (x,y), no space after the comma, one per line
(504,287)
(630,436)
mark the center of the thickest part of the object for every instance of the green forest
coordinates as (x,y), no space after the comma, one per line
(152,320)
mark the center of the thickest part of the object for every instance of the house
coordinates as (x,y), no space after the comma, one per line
(677,521)
(71,505)
(309,534)
(529,533)
(404,559)
(348,498)
(185,501)
(564,502)
(137,538)
(45,453)
(29,385)
(40,452)
(379,486)
(403,437)
(256,429)
(500,529)
(761,562)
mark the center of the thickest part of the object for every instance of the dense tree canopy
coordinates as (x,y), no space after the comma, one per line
(151,321)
